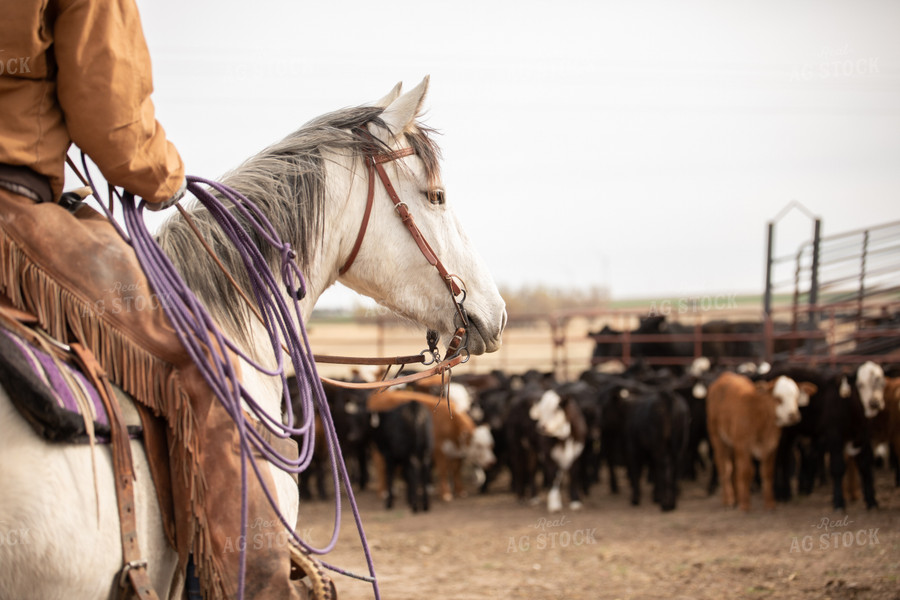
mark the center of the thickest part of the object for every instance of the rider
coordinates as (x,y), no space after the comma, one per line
(79,71)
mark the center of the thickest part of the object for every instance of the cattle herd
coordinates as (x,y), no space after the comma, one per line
(785,429)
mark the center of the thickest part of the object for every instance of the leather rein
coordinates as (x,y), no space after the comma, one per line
(456,349)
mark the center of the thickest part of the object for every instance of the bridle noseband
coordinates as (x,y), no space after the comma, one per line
(375,164)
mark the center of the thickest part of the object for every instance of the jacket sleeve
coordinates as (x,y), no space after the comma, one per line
(104,85)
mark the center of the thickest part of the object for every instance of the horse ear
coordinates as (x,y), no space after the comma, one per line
(390,97)
(400,113)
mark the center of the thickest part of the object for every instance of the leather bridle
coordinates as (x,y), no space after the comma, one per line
(456,349)
(375,164)
(371,161)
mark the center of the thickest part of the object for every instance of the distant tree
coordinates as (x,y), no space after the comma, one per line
(541,299)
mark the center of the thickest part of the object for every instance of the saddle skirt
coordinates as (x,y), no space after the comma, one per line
(54,397)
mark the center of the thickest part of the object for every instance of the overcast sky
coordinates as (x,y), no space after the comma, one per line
(641,146)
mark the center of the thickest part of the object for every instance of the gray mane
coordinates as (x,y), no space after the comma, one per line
(287,182)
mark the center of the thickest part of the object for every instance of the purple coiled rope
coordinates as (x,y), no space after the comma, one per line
(198,333)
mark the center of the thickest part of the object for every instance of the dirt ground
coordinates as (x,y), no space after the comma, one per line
(493,547)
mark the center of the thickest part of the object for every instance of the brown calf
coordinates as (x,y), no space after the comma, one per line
(744,421)
(452,437)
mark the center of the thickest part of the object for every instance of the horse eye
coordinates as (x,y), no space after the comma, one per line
(435,196)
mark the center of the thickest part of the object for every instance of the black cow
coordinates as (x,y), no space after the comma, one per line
(527,447)
(683,346)
(885,344)
(606,419)
(659,325)
(587,468)
(604,349)
(650,325)
(317,467)
(611,394)
(320,460)
(833,422)
(656,426)
(751,349)
(351,423)
(405,438)
(693,387)
(616,399)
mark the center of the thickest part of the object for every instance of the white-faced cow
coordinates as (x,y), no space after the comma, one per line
(870,385)
(559,418)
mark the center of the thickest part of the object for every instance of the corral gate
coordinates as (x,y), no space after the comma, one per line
(848,282)
(835,301)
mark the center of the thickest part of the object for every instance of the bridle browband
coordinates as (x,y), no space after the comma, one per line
(456,349)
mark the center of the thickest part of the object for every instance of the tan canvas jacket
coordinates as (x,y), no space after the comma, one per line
(79,71)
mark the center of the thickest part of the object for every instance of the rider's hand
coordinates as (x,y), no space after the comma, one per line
(157,206)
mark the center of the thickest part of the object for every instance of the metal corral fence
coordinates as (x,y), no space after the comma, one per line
(529,342)
(834,334)
(564,341)
(860,266)
(835,301)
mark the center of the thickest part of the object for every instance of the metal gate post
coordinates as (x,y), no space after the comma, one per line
(814,275)
(862,277)
(813,316)
(770,245)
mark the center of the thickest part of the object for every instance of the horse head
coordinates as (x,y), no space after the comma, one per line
(391,266)
(314,187)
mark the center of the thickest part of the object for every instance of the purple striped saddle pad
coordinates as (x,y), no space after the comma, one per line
(55,397)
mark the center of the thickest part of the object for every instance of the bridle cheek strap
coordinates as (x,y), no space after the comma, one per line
(374,164)
(365,222)
(456,346)
(407,218)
